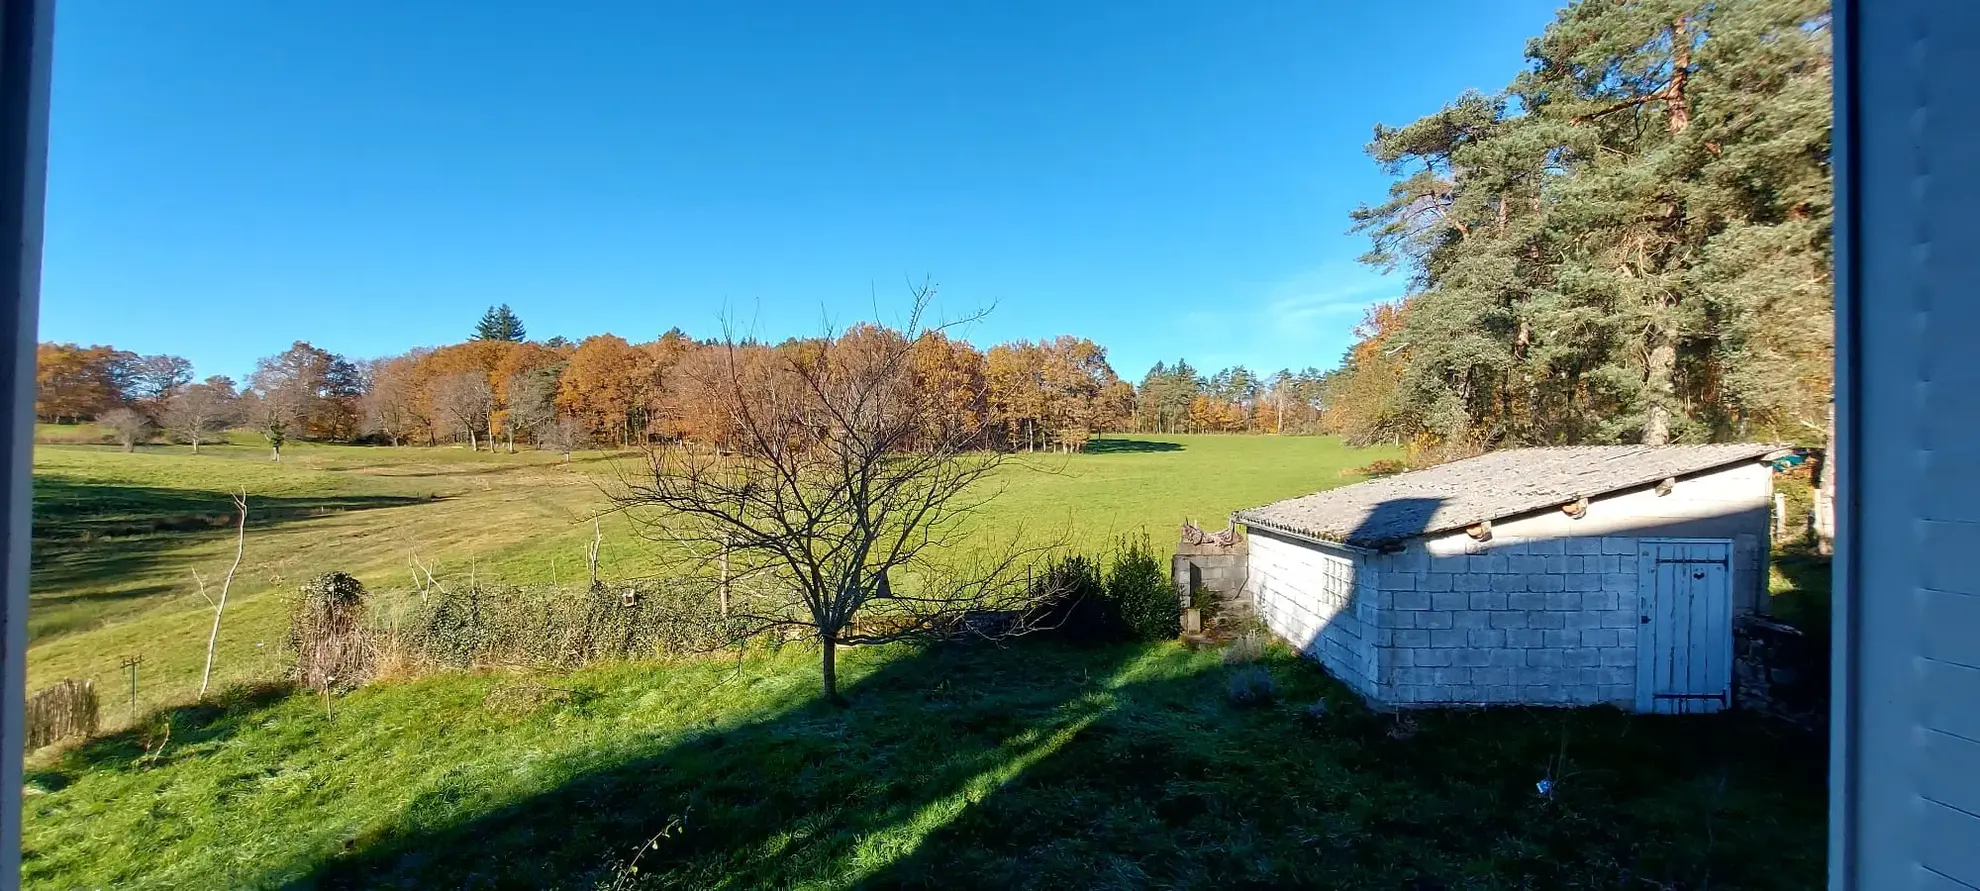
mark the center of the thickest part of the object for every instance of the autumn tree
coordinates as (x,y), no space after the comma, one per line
(75,383)
(198,412)
(846,474)
(528,362)
(394,403)
(307,393)
(444,393)
(466,400)
(1015,374)
(606,385)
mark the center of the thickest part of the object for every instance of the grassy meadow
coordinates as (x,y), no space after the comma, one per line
(1036,764)
(118,536)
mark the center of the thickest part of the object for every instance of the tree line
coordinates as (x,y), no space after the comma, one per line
(1629,243)
(497,388)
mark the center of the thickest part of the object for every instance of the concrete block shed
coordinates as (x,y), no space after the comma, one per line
(1568,576)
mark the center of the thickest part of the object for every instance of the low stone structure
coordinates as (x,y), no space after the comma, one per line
(1214,562)
(1781,672)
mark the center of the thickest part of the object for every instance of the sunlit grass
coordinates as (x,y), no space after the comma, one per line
(105,587)
(1033,765)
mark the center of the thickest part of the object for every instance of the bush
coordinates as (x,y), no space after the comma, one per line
(1132,600)
(1245,649)
(546,626)
(1139,586)
(1382,467)
(331,635)
(1251,687)
(1076,603)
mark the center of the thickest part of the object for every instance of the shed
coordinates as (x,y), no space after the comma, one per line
(1570,576)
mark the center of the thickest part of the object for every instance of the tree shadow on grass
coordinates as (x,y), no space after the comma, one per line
(1047,766)
(89,537)
(211,720)
(1177,788)
(812,792)
(1129,446)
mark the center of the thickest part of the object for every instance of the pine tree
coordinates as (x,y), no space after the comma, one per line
(500,323)
(1630,243)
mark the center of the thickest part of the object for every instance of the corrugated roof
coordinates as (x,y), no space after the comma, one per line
(1488,487)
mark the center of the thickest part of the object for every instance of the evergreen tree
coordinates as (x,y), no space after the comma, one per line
(500,323)
(1630,243)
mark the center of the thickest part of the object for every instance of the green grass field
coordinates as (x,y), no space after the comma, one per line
(118,537)
(1031,766)
(1036,764)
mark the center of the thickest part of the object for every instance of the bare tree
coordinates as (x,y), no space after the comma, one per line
(273,414)
(390,402)
(564,435)
(532,403)
(467,399)
(199,411)
(128,425)
(240,548)
(838,497)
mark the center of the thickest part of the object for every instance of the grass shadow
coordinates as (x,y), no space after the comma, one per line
(92,540)
(1110,446)
(171,734)
(1177,787)
(813,790)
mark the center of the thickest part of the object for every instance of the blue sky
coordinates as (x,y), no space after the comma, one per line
(1167,178)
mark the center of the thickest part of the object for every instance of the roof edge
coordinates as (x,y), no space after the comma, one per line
(1756,453)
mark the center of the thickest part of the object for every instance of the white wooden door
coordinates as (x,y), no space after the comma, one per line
(1684,639)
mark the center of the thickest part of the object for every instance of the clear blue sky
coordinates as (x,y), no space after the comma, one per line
(1167,178)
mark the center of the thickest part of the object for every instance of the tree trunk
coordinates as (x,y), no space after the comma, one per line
(829,666)
(195,445)
(1661,378)
(1825,492)
(1674,96)
(276,453)
(474,444)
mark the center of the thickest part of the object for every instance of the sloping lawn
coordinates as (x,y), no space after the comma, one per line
(1034,765)
(118,536)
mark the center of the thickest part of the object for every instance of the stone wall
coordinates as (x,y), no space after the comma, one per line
(1781,672)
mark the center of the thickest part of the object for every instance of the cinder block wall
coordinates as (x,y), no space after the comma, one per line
(1321,602)
(1211,567)
(1550,621)
(1544,612)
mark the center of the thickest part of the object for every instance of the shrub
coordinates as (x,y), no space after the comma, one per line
(1251,687)
(61,711)
(330,633)
(546,626)
(1245,649)
(1132,599)
(1139,586)
(1381,467)
(1076,603)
